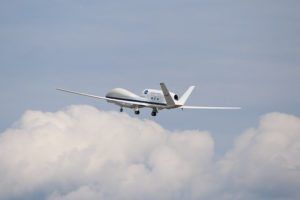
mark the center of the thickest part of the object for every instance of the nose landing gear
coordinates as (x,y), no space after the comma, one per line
(121,109)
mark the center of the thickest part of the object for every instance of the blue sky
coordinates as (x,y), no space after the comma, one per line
(240,53)
(237,53)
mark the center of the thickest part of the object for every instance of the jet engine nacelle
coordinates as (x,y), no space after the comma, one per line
(174,96)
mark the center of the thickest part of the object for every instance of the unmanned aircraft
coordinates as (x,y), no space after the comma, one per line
(150,98)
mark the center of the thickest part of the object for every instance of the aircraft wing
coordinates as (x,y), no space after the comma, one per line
(210,108)
(105,98)
(82,94)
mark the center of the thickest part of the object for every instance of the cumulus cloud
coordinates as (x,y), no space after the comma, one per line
(83,153)
(265,161)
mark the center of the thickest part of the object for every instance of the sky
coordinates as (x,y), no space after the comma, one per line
(236,53)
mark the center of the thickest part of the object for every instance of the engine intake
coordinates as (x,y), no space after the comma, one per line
(176,97)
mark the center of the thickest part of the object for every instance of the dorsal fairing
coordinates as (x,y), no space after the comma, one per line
(121,93)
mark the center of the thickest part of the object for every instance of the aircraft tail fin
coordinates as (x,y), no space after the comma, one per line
(167,95)
(186,95)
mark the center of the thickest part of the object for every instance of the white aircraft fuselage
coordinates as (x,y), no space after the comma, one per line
(154,98)
(151,98)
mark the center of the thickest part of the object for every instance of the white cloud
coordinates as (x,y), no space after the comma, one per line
(265,161)
(84,153)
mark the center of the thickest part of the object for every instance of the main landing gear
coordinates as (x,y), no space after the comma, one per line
(154,112)
(136,111)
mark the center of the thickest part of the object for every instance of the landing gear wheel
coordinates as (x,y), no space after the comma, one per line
(121,109)
(137,112)
(153,114)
